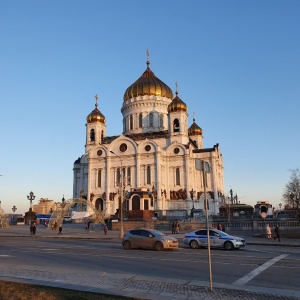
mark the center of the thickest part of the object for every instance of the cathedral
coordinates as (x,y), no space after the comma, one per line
(149,170)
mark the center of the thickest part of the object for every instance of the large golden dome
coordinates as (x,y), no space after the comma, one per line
(95,115)
(148,84)
(177,105)
(194,129)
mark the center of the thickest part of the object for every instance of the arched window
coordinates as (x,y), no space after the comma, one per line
(148,175)
(161,120)
(124,124)
(129,176)
(177,176)
(131,122)
(102,136)
(140,120)
(99,178)
(92,135)
(176,125)
(118,176)
(151,119)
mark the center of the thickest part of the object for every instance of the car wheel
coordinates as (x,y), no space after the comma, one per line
(127,245)
(158,246)
(228,246)
(194,244)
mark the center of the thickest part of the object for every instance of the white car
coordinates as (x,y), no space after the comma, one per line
(218,239)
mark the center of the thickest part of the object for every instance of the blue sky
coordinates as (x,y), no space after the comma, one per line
(236,63)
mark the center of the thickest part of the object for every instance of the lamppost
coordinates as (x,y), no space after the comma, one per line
(280,206)
(192,193)
(30,198)
(121,191)
(14,208)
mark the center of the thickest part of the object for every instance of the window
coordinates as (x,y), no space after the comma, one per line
(99,178)
(161,120)
(176,125)
(92,135)
(140,120)
(131,122)
(129,176)
(148,175)
(177,176)
(151,119)
(118,176)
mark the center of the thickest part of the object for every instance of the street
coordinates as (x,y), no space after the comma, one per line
(256,265)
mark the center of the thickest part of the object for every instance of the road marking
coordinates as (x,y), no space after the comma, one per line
(259,270)
(4,255)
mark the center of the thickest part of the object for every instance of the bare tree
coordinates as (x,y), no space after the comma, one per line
(291,195)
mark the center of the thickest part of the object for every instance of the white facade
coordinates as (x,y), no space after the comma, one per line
(156,152)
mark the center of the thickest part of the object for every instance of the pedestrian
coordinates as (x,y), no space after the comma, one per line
(277,233)
(223,228)
(174,227)
(105,229)
(33,229)
(219,226)
(60,229)
(177,227)
(269,232)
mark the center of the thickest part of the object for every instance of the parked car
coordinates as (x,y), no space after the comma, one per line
(218,239)
(148,239)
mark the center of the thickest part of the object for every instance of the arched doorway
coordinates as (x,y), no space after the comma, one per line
(99,204)
(136,204)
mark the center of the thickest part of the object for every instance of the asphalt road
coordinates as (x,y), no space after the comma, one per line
(257,265)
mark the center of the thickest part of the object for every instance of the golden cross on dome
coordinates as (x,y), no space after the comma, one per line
(194,116)
(176,83)
(148,55)
(96,97)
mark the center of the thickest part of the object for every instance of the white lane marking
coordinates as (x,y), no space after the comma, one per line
(258,270)
(4,255)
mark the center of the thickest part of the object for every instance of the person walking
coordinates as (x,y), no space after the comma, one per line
(33,229)
(174,227)
(105,229)
(223,228)
(269,232)
(60,229)
(177,227)
(277,233)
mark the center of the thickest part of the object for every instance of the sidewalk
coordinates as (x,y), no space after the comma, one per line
(130,285)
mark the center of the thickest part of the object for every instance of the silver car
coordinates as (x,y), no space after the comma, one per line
(148,239)
(220,239)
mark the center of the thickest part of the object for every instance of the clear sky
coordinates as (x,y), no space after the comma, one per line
(236,63)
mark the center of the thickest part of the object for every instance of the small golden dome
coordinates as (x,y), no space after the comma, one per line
(194,129)
(148,84)
(95,115)
(177,105)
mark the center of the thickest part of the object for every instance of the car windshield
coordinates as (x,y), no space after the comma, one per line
(222,233)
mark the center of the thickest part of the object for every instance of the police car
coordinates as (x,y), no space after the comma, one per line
(218,239)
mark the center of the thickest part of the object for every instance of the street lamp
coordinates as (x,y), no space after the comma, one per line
(121,190)
(280,206)
(14,208)
(30,198)
(192,193)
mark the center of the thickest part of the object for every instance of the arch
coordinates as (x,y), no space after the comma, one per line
(58,215)
(136,204)
(176,125)
(99,204)
(92,135)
